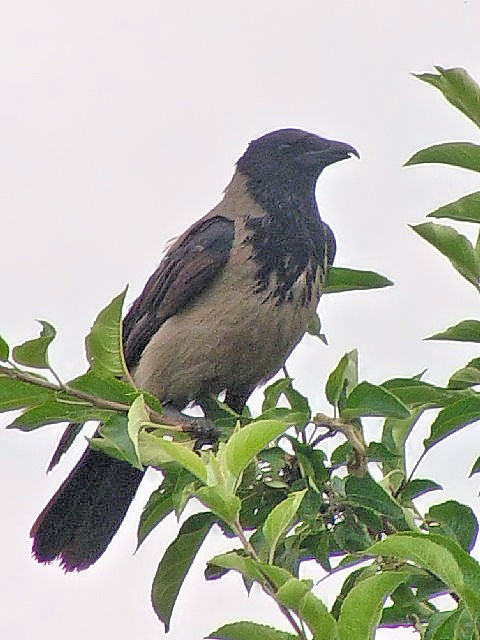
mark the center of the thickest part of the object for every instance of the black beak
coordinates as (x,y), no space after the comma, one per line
(333,151)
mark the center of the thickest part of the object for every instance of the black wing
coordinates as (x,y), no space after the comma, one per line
(183,273)
(330,244)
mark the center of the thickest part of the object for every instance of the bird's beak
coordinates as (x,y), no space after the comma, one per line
(333,151)
(341,149)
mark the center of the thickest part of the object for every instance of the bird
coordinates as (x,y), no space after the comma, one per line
(226,306)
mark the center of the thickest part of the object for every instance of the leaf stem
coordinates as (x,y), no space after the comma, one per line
(341,567)
(416,465)
(54,374)
(268,587)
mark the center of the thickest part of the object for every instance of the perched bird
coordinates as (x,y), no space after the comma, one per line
(228,303)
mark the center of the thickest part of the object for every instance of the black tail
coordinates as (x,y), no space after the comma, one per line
(78,523)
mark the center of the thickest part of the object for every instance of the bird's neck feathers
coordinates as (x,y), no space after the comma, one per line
(283,228)
(284,196)
(282,199)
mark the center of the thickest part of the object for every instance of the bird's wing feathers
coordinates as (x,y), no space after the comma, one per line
(330,244)
(188,267)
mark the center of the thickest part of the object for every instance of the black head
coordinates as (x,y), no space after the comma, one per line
(291,156)
(281,170)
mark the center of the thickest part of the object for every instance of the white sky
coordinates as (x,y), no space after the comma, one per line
(120,125)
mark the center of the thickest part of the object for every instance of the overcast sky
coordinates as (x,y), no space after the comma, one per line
(120,125)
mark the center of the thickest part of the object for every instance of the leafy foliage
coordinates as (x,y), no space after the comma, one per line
(267,483)
(176,562)
(104,342)
(341,279)
(33,353)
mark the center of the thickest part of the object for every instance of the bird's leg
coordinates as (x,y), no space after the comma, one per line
(237,399)
(202,429)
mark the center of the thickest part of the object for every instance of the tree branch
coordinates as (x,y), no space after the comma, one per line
(180,421)
(353,434)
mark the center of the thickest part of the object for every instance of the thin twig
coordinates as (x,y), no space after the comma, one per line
(101,403)
(321,437)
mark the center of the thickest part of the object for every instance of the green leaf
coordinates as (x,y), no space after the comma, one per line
(163,500)
(342,379)
(427,585)
(351,535)
(442,624)
(176,563)
(249,631)
(183,490)
(454,246)
(158,507)
(414,392)
(278,576)
(454,520)
(137,418)
(15,394)
(297,402)
(312,463)
(4,350)
(308,514)
(245,443)
(102,385)
(467,376)
(112,438)
(350,581)
(280,519)
(464,627)
(476,468)
(104,342)
(224,504)
(465,331)
(274,459)
(362,607)
(395,432)
(340,279)
(453,418)
(452,625)
(34,353)
(367,399)
(380,453)
(314,328)
(55,411)
(466,209)
(150,454)
(418,487)
(166,449)
(368,494)
(465,155)
(281,413)
(249,568)
(459,88)
(369,518)
(470,569)
(406,606)
(66,441)
(296,595)
(341,454)
(441,556)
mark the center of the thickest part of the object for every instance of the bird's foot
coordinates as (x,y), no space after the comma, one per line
(203,430)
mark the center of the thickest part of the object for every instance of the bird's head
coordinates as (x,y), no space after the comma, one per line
(292,156)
